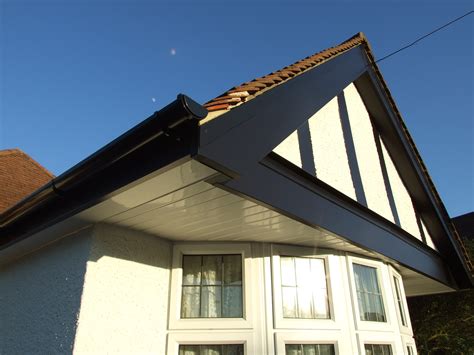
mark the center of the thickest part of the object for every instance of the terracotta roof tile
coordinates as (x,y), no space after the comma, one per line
(271,80)
(20,175)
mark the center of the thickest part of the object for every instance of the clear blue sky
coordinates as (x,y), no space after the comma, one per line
(76,74)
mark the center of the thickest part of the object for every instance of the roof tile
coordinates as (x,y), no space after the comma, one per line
(20,175)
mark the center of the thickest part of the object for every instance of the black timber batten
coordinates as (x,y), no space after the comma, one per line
(239,142)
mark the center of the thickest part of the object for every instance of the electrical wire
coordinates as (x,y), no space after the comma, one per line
(423,37)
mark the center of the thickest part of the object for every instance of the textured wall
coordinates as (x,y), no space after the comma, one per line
(329,150)
(125,298)
(367,155)
(402,198)
(40,297)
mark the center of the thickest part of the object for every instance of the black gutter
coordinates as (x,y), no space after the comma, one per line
(165,137)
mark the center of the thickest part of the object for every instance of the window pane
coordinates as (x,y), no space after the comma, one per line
(211,349)
(231,349)
(211,301)
(369,296)
(232,302)
(211,270)
(398,294)
(378,349)
(189,350)
(308,298)
(232,265)
(234,349)
(309,349)
(305,297)
(287,271)
(303,271)
(191,270)
(320,303)
(289,302)
(326,349)
(208,298)
(190,301)
(293,349)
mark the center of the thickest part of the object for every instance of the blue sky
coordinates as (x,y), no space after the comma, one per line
(76,74)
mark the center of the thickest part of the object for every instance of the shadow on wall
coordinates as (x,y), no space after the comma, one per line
(130,245)
(41,296)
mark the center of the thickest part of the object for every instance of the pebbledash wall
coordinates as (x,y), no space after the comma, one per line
(110,289)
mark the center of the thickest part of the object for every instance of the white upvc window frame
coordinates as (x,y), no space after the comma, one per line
(248,284)
(382,338)
(404,329)
(385,289)
(341,346)
(175,339)
(408,341)
(331,265)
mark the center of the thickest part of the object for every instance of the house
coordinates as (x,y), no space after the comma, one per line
(291,215)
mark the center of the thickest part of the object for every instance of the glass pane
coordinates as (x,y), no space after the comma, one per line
(211,349)
(232,269)
(190,302)
(320,303)
(232,302)
(293,349)
(289,302)
(211,301)
(234,349)
(399,301)
(318,273)
(191,269)
(211,270)
(378,349)
(326,349)
(368,294)
(303,271)
(287,271)
(189,350)
(309,349)
(305,297)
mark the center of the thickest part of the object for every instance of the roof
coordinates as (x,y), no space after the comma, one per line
(465,225)
(247,91)
(20,175)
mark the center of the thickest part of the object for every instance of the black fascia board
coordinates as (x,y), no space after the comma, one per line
(238,142)
(166,138)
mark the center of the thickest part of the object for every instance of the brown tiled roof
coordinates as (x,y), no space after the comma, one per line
(20,175)
(247,91)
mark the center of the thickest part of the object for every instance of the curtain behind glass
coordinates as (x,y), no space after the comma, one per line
(212,286)
(369,296)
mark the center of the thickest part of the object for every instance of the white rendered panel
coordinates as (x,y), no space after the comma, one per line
(367,155)
(403,201)
(329,150)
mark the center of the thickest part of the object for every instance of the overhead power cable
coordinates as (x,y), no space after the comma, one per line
(423,37)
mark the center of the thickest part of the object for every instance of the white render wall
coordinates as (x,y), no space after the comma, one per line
(40,297)
(124,305)
(329,148)
(107,290)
